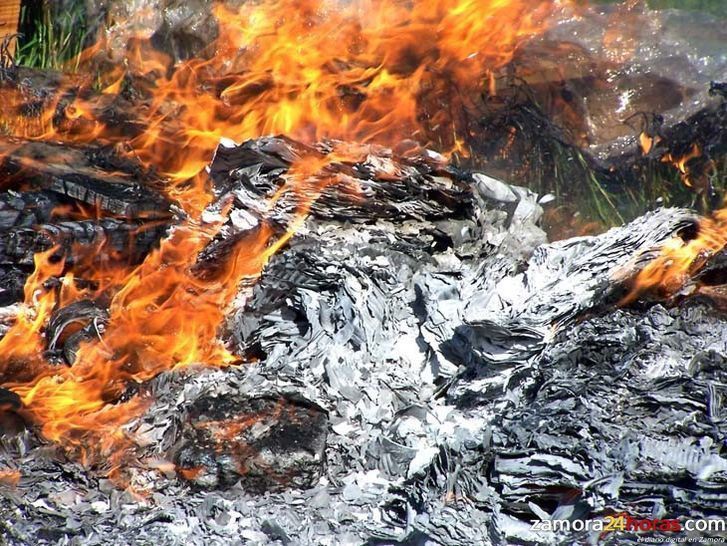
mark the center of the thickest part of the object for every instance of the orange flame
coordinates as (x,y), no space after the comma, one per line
(364,70)
(680,162)
(680,260)
(10,478)
(647,142)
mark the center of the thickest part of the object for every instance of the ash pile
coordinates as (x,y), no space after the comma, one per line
(423,367)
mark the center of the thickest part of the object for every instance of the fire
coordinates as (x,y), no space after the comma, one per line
(364,70)
(647,142)
(681,162)
(162,317)
(10,478)
(679,260)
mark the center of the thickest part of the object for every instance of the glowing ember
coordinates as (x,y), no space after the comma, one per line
(365,70)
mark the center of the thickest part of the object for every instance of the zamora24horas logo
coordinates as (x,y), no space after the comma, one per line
(624,522)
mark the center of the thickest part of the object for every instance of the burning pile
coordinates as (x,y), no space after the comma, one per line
(400,350)
(356,329)
(267,75)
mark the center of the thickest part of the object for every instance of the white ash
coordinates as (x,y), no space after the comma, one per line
(471,386)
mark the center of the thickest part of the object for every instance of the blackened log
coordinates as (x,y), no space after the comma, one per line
(134,238)
(25,208)
(35,97)
(92,175)
(57,183)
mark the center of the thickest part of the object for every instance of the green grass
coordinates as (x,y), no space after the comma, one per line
(56,38)
(593,195)
(611,198)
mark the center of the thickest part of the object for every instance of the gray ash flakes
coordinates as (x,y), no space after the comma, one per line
(415,377)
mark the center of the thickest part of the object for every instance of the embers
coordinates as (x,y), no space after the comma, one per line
(267,443)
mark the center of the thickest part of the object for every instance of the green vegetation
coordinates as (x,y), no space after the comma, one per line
(610,198)
(53,34)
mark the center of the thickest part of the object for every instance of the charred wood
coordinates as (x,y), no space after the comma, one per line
(18,246)
(93,176)
(266,443)
(69,326)
(56,190)
(38,101)
(25,209)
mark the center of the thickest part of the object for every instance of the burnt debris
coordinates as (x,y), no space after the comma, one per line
(349,344)
(93,176)
(423,367)
(56,190)
(264,443)
(69,326)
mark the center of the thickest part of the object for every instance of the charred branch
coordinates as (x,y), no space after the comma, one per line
(132,240)
(69,326)
(92,176)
